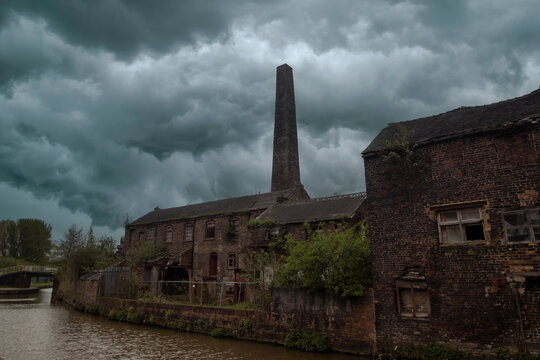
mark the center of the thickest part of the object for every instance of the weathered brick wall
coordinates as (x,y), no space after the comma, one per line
(501,171)
(349,324)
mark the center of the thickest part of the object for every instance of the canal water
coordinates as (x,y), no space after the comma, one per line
(38,330)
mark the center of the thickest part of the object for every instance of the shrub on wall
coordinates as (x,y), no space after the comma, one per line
(303,340)
(337,262)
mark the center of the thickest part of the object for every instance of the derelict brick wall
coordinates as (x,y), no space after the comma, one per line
(500,168)
(202,246)
(349,324)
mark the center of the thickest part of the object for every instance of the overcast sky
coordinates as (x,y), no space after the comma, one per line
(113,107)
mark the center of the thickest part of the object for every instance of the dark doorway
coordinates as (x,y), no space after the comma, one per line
(213,264)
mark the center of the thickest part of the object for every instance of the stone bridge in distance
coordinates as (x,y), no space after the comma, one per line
(21,276)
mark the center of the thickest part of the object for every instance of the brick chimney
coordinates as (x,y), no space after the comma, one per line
(285,166)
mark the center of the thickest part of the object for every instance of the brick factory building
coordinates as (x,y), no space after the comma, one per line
(204,242)
(453,203)
(454,214)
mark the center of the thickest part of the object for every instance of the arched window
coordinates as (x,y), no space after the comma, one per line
(168,234)
(213,264)
(188,232)
(210,230)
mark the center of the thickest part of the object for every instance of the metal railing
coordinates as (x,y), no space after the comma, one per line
(211,293)
(27,268)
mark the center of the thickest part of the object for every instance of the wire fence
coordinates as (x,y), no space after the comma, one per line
(209,293)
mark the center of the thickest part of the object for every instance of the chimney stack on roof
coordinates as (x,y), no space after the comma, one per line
(285,165)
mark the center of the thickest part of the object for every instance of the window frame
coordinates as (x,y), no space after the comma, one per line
(235,264)
(210,230)
(168,231)
(151,234)
(533,238)
(412,285)
(186,227)
(462,223)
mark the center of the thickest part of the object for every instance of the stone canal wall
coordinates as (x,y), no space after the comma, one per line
(349,324)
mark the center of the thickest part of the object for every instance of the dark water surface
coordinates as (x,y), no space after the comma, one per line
(38,330)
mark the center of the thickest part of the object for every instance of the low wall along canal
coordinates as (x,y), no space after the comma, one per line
(41,330)
(347,323)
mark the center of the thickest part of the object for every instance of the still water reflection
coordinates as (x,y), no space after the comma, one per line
(38,330)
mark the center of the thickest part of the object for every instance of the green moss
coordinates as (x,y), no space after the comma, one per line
(303,340)
(152,320)
(169,315)
(218,332)
(211,322)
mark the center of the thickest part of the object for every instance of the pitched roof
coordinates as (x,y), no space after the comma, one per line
(463,120)
(318,209)
(231,205)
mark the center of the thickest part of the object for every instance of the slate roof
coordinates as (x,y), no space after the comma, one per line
(231,205)
(313,210)
(463,120)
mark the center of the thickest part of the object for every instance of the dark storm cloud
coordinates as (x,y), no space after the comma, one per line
(115,107)
(124,27)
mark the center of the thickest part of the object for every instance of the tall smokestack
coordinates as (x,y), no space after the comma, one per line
(285,166)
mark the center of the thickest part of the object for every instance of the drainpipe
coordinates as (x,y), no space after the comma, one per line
(520,333)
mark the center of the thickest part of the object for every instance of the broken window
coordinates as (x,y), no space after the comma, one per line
(168,234)
(141,237)
(522,226)
(188,233)
(231,261)
(461,225)
(210,230)
(235,225)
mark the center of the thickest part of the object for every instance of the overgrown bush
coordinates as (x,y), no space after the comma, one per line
(256,223)
(92,309)
(134,316)
(117,315)
(246,324)
(218,332)
(337,262)
(303,340)
(169,315)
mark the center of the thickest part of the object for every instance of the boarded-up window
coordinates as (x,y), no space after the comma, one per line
(188,232)
(461,225)
(522,226)
(413,299)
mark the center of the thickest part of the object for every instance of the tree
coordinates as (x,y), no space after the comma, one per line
(337,262)
(34,240)
(9,238)
(79,254)
(73,241)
